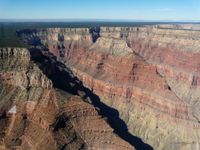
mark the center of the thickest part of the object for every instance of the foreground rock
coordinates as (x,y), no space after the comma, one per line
(34,115)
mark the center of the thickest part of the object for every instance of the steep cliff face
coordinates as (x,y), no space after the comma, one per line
(33,115)
(150,75)
(23,85)
(58,39)
(175,53)
(176,56)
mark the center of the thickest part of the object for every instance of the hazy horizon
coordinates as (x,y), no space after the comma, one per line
(125,10)
(96,20)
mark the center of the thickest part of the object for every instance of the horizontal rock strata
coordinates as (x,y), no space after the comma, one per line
(149,74)
(35,116)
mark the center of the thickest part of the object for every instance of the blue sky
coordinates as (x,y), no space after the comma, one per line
(101,9)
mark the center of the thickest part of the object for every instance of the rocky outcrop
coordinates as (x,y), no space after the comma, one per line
(149,74)
(75,127)
(33,115)
(17,70)
(116,47)
(23,85)
(92,128)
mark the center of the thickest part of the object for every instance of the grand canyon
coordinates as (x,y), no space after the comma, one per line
(102,88)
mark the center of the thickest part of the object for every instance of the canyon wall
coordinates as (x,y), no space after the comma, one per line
(149,74)
(35,116)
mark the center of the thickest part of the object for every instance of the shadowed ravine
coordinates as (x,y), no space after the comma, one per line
(64,79)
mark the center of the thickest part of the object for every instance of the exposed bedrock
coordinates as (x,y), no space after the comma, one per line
(150,75)
(175,53)
(35,116)
(23,85)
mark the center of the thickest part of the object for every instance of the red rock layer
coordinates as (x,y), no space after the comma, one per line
(130,79)
(175,52)
(183,66)
(91,127)
(41,118)
(78,126)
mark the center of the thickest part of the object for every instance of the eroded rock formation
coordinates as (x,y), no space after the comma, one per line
(35,116)
(149,74)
